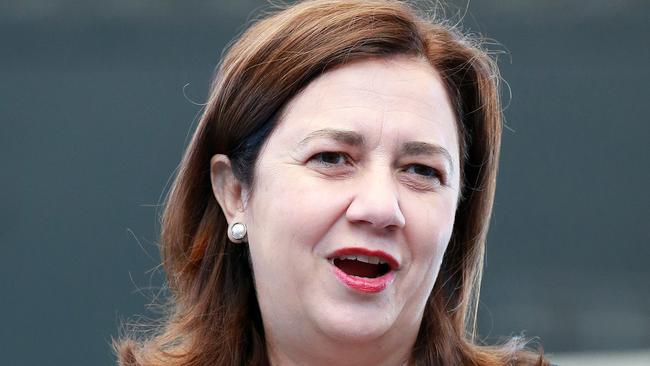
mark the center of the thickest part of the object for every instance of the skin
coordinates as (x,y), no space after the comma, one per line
(337,172)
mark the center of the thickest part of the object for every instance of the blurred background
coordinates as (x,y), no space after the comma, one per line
(98,98)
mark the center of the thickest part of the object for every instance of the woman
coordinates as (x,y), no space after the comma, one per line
(333,204)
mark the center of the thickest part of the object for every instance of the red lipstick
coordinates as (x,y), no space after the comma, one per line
(374,284)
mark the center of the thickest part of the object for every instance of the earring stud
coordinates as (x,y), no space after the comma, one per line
(238,232)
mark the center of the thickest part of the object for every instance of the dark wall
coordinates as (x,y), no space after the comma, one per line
(97,103)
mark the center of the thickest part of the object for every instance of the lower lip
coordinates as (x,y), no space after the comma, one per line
(364,284)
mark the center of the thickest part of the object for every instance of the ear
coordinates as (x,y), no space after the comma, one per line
(227,189)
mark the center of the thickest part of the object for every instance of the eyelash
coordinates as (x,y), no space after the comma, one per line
(320,155)
(432,173)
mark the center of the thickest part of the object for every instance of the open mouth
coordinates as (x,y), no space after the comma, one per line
(362,262)
(362,265)
(363,270)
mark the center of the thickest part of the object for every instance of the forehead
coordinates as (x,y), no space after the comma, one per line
(403,97)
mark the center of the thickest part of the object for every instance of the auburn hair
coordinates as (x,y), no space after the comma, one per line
(214,318)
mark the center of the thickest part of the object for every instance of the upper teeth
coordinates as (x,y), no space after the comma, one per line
(363,258)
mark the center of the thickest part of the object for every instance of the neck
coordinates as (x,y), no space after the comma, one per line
(383,352)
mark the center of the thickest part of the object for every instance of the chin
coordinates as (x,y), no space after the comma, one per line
(358,323)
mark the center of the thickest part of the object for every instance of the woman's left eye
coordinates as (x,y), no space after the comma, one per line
(330,158)
(424,171)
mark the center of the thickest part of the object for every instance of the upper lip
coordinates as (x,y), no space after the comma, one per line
(392,262)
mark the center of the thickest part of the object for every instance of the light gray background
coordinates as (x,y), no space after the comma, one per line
(93,121)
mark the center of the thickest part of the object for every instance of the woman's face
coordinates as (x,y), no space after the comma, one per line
(353,204)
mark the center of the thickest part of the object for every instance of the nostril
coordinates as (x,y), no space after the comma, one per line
(380,209)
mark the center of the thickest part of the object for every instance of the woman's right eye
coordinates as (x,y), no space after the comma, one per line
(330,158)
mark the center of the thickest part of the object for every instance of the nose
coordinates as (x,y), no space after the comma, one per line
(376,203)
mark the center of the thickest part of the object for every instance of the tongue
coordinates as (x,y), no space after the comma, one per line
(357,268)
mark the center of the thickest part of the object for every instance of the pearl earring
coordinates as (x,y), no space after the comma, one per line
(238,232)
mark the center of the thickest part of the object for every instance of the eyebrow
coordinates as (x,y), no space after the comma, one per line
(343,136)
(413,148)
(352,138)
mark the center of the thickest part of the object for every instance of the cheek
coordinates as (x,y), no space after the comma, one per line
(288,217)
(292,211)
(431,225)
